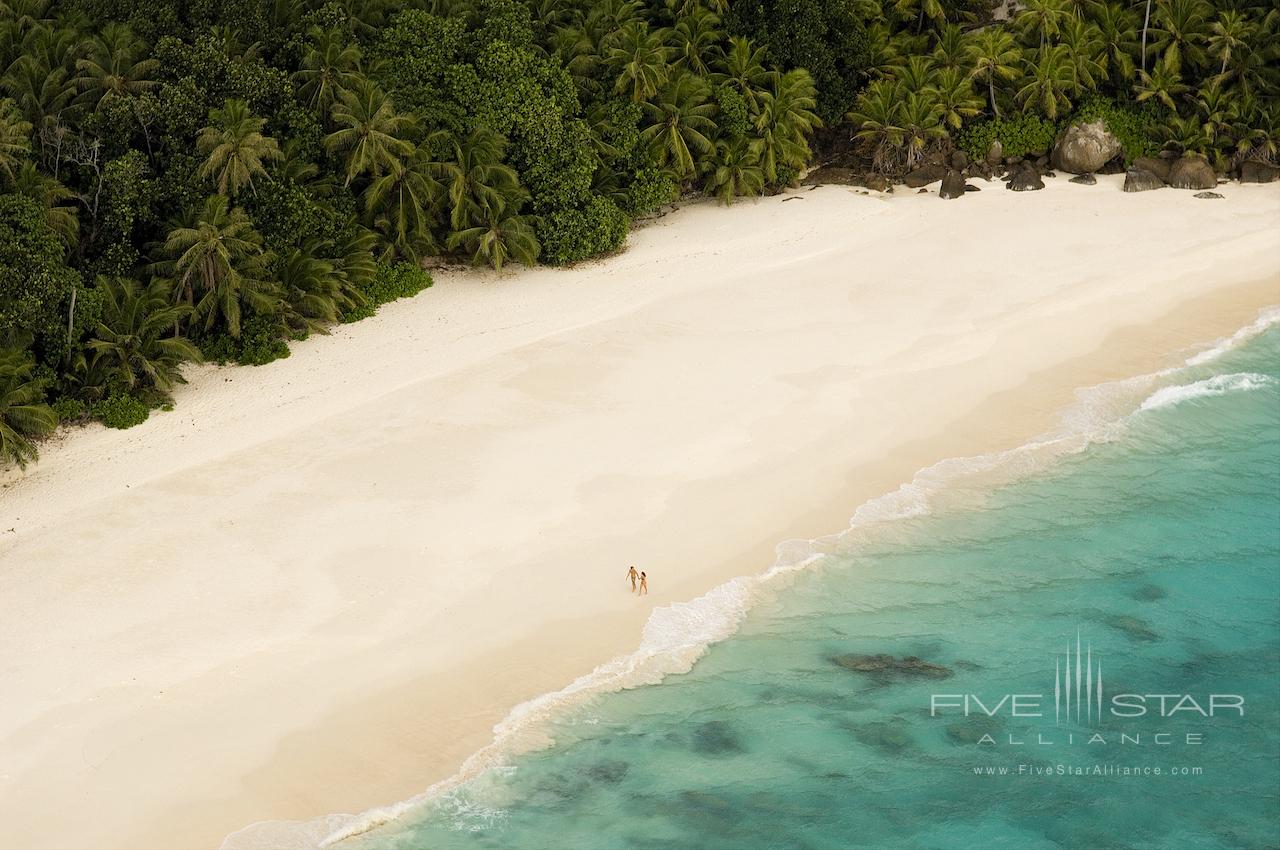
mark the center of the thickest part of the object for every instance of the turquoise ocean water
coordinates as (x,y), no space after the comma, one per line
(1150,535)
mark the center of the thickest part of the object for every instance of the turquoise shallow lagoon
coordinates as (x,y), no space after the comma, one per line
(1157,548)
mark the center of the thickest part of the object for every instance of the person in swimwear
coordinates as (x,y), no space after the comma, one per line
(644,584)
(633,575)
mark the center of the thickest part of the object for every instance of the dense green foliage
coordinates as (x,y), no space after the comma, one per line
(216,179)
(1183,75)
(183,180)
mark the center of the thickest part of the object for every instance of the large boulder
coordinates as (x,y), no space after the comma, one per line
(830,174)
(1159,166)
(1253,171)
(995,153)
(1084,148)
(952,185)
(1192,172)
(925,175)
(1024,178)
(1141,180)
(876,182)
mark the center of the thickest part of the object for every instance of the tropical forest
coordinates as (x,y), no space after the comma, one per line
(210,181)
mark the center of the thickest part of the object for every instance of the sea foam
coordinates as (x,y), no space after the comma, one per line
(1214,386)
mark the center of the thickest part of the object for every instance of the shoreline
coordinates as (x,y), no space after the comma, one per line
(368,742)
(1187,321)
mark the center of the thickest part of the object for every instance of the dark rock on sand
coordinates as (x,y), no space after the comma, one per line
(876,182)
(1085,147)
(1192,172)
(969,187)
(830,174)
(716,738)
(1141,180)
(1157,165)
(959,160)
(1024,178)
(1253,171)
(1208,195)
(925,175)
(888,667)
(1084,179)
(953,186)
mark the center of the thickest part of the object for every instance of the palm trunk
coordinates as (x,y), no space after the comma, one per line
(1145,21)
(991,92)
(71,322)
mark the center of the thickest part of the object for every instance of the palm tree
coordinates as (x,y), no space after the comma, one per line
(331,64)
(1082,45)
(920,9)
(1230,34)
(1048,81)
(401,206)
(15,139)
(877,120)
(1146,26)
(353,262)
(695,36)
(899,125)
(921,121)
(952,90)
(1216,109)
(312,290)
(235,148)
(372,132)
(641,61)
(53,197)
(743,69)
(115,65)
(42,91)
(502,235)
(217,265)
(1181,29)
(1116,26)
(679,124)
(993,56)
(131,342)
(950,47)
(476,181)
(786,120)
(1042,19)
(884,50)
(735,171)
(915,73)
(1163,83)
(23,413)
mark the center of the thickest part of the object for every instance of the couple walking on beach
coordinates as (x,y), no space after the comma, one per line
(643,589)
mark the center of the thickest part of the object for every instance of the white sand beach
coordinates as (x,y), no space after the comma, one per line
(317,585)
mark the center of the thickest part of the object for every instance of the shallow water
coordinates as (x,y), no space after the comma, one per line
(1158,549)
